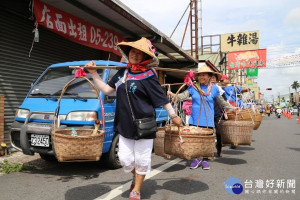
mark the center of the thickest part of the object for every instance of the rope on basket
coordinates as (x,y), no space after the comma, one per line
(202,102)
(248,111)
(61,95)
(181,141)
(202,99)
(224,111)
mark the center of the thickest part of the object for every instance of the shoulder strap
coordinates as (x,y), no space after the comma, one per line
(154,71)
(129,101)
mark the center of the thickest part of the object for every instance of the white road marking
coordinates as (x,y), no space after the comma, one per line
(119,190)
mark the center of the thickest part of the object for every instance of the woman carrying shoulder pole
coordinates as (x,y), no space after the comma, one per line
(145,94)
(203,89)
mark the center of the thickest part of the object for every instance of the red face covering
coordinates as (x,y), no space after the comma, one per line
(139,67)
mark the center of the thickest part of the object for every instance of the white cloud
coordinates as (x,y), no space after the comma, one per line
(293,17)
(277,20)
(278,79)
(292,73)
(297,51)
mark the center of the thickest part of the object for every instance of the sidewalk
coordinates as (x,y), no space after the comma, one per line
(19,157)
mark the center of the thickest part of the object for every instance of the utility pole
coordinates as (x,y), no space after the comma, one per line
(195,26)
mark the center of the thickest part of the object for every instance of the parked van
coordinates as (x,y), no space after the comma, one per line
(79,108)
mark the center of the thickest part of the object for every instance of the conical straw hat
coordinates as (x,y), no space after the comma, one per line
(143,45)
(206,69)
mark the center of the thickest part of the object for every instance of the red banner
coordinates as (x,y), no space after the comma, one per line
(76,29)
(247,59)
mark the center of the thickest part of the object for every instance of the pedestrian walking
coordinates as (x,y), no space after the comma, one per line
(219,109)
(138,94)
(232,91)
(210,92)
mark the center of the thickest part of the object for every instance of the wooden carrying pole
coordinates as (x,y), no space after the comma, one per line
(119,67)
(170,84)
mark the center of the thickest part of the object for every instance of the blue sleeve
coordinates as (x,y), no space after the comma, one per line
(238,89)
(215,92)
(191,90)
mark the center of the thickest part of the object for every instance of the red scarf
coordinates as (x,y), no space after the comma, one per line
(139,67)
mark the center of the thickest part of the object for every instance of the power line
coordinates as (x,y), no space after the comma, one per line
(180,19)
(280,67)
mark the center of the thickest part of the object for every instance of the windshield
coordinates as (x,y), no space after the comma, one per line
(54,80)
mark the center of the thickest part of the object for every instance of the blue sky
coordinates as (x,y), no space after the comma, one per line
(278,22)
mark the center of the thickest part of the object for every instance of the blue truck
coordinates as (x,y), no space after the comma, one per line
(79,107)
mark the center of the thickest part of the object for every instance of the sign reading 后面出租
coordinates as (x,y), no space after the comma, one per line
(240,41)
(76,29)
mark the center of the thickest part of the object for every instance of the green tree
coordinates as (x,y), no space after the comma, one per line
(295,85)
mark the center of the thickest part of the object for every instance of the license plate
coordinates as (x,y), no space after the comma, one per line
(40,140)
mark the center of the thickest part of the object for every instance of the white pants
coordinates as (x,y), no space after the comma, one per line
(135,154)
(187,118)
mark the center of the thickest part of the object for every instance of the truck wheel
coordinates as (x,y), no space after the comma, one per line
(47,157)
(111,159)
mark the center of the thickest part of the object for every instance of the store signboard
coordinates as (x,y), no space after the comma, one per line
(240,41)
(252,73)
(247,59)
(76,29)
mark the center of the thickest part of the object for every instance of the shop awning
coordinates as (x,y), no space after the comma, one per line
(114,15)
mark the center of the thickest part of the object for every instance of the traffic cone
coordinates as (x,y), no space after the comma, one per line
(299,119)
(290,115)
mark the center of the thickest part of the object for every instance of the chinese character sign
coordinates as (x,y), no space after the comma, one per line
(240,41)
(247,59)
(270,186)
(76,29)
(252,73)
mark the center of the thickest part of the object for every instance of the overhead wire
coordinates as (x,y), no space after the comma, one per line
(279,67)
(180,20)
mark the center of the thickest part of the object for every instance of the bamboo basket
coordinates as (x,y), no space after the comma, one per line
(244,115)
(159,143)
(193,146)
(257,120)
(236,132)
(188,130)
(189,142)
(247,115)
(84,147)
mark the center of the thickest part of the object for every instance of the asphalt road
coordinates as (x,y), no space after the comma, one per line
(269,169)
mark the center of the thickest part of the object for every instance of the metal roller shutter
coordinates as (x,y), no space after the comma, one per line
(18,70)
